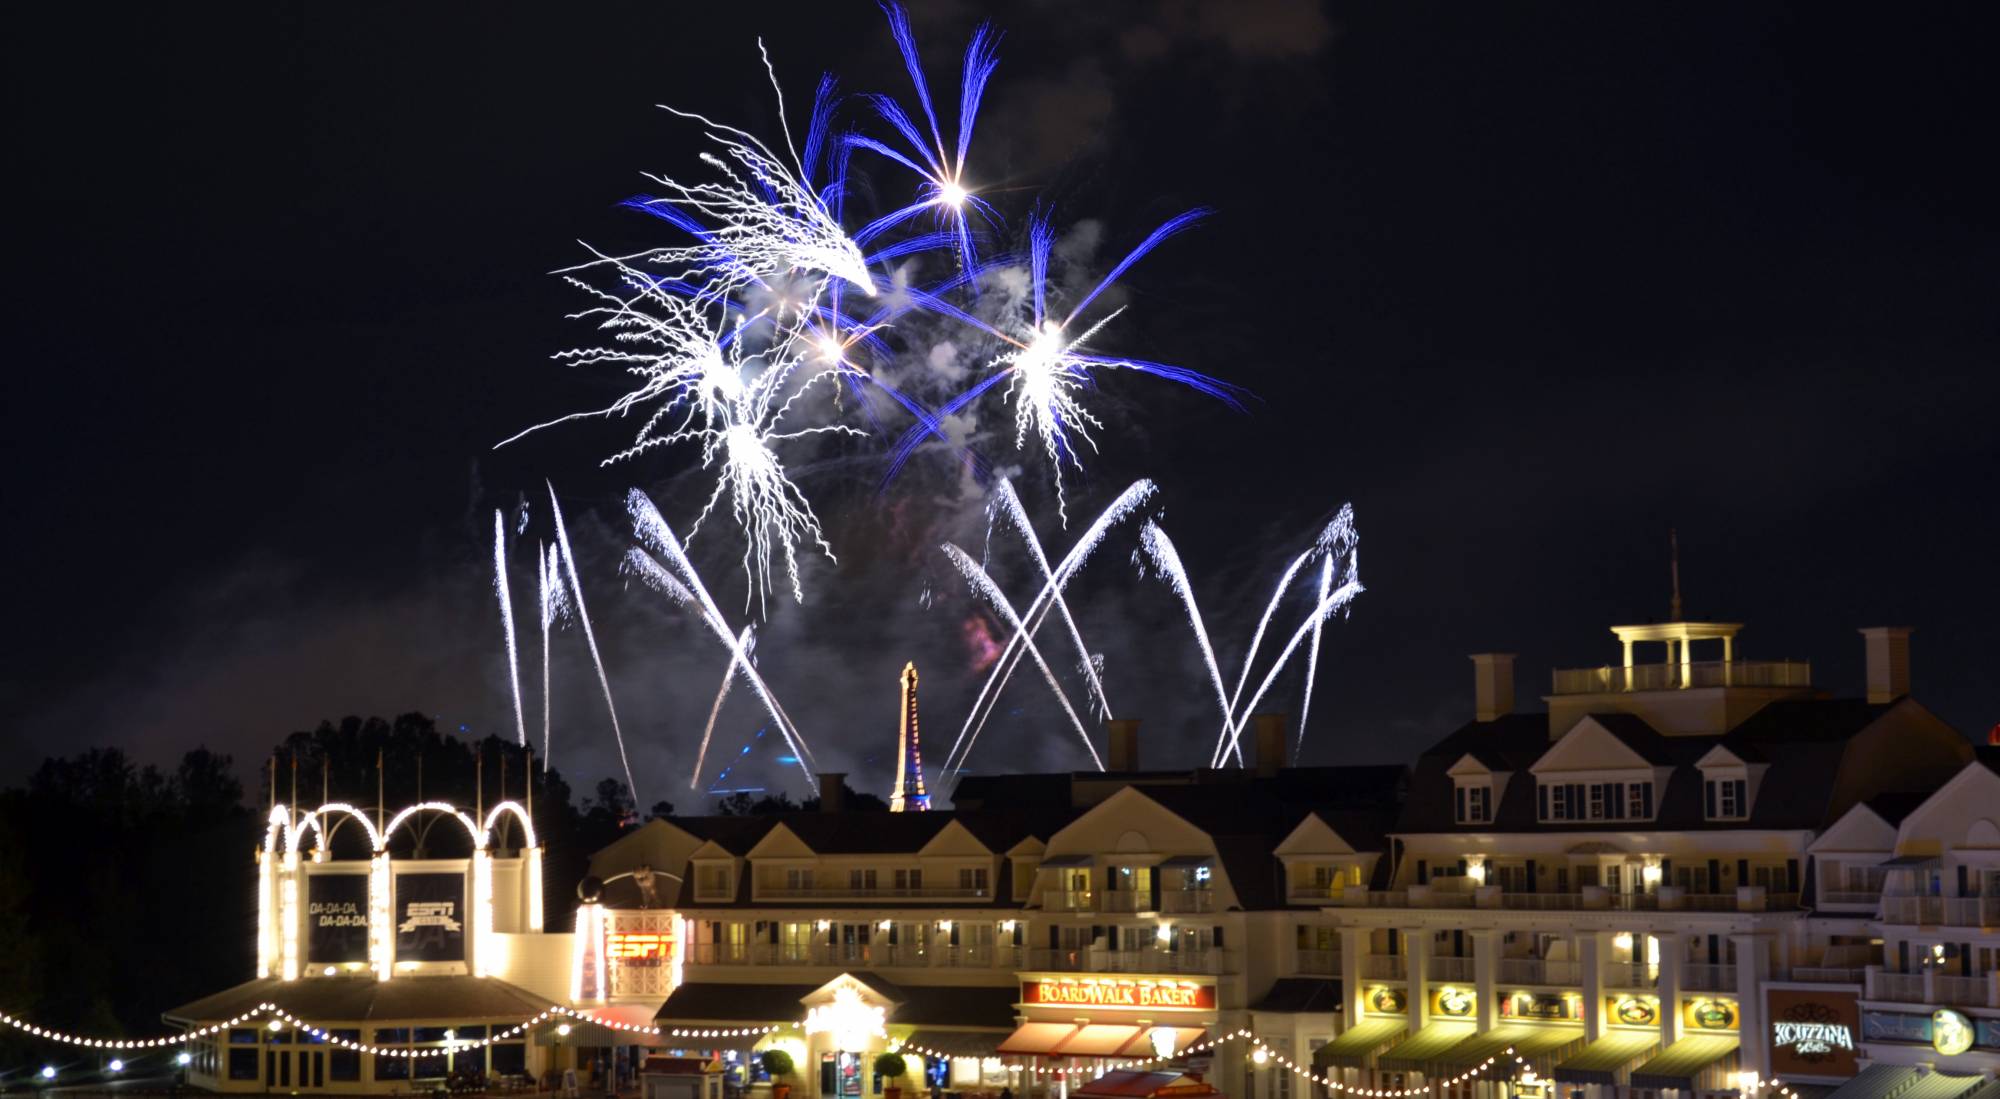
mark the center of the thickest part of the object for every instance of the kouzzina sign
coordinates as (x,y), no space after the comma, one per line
(1812,1031)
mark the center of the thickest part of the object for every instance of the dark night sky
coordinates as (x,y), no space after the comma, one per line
(1529,285)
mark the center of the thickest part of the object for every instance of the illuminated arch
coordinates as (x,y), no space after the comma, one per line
(520,814)
(277,824)
(315,821)
(395,822)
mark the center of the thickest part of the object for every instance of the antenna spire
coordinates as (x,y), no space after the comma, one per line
(1674,564)
(909,793)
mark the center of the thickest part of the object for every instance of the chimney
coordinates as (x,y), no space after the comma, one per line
(1888,662)
(832,791)
(1492,685)
(1124,736)
(1270,729)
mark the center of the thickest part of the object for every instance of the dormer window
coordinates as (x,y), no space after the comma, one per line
(1726,798)
(1586,801)
(1474,803)
(712,883)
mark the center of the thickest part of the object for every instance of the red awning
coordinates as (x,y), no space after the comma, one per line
(1133,1084)
(1100,1040)
(1038,1038)
(1143,1044)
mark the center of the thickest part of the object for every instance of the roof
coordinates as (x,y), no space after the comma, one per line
(325,1000)
(1292,995)
(1804,741)
(1679,1065)
(699,1002)
(1599,1062)
(1137,1084)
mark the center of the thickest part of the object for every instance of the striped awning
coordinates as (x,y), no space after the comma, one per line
(1679,1064)
(1601,1061)
(1352,1047)
(955,1043)
(1528,1042)
(1877,1081)
(1417,1051)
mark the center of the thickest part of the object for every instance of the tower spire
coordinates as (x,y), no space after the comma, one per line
(909,794)
(1674,565)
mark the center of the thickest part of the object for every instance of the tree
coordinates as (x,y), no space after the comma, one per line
(660,810)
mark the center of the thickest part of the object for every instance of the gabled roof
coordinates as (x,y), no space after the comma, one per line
(327,1000)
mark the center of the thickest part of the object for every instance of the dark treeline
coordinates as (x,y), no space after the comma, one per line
(126,890)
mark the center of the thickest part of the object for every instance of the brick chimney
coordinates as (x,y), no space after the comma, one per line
(1888,662)
(1123,734)
(832,791)
(1492,685)
(1270,729)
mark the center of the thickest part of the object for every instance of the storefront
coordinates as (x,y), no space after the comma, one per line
(1814,1033)
(1963,1041)
(832,1033)
(1076,1024)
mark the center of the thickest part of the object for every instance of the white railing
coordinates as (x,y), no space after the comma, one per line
(1539,971)
(1902,988)
(1131,961)
(1187,901)
(1384,967)
(1319,963)
(1963,991)
(1922,911)
(1541,902)
(1837,896)
(1631,975)
(1669,677)
(1696,977)
(1315,891)
(1125,900)
(841,893)
(1972,911)
(1065,900)
(718,954)
(1451,969)
(1828,974)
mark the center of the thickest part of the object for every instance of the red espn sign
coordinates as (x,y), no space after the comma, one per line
(1105,993)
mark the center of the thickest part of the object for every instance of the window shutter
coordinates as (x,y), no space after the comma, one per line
(1218,938)
(1111,937)
(1743,871)
(774,932)
(1423,872)
(1542,801)
(1708,795)
(894,929)
(1153,898)
(1459,793)
(1531,876)
(954,933)
(1055,937)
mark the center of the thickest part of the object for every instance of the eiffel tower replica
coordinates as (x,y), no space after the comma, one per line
(909,795)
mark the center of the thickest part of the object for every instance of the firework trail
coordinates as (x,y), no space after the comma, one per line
(1009,504)
(1312,659)
(984,586)
(1155,544)
(743,641)
(548,579)
(583,617)
(943,192)
(507,622)
(653,530)
(1127,502)
(1339,598)
(1250,658)
(1047,366)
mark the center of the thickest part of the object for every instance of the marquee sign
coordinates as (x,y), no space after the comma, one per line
(430,917)
(336,923)
(1119,993)
(1709,1013)
(1555,1006)
(1951,1032)
(1813,1031)
(638,949)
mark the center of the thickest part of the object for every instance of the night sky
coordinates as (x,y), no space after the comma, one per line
(1530,286)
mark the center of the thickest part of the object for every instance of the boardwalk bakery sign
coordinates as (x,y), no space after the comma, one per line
(1119,993)
(1806,1039)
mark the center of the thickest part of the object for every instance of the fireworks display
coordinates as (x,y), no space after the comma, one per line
(767,322)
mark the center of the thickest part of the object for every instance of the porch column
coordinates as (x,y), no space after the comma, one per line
(1485,971)
(1350,975)
(1753,960)
(1417,951)
(1673,953)
(1590,952)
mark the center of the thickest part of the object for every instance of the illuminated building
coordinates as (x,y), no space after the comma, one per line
(1614,888)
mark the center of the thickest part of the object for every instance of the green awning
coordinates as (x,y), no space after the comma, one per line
(1679,1064)
(1423,1047)
(1876,1081)
(1356,1043)
(1602,1060)
(1528,1042)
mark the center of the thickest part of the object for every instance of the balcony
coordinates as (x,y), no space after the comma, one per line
(1450,969)
(1319,963)
(1125,900)
(1913,910)
(967,957)
(1539,971)
(1697,977)
(1829,974)
(1900,988)
(1091,960)
(1541,902)
(1631,975)
(1187,901)
(846,893)
(717,954)
(1674,677)
(1069,900)
(1963,991)
(1384,967)
(1972,911)
(1322,892)
(1374,898)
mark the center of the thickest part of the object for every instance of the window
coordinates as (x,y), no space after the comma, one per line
(712,881)
(861,881)
(797,878)
(1562,801)
(1475,804)
(243,1064)
(1726,799)
(343,1065)
(972,879)
(392,1068)
(909,881)
(510,1059)
(1640,804)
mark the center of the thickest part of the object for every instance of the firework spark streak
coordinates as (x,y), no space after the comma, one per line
(507,623)
(1156,545)
(1312,657)
(653,530)
(984,586)
(1009,504)
(550,584)
(1250,658)
(589,636)
(1127,502)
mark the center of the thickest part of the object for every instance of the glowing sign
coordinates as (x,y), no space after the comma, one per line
(851,1020)
(1951,1032)
(1118,993)
(1811,1038)
(630,948)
